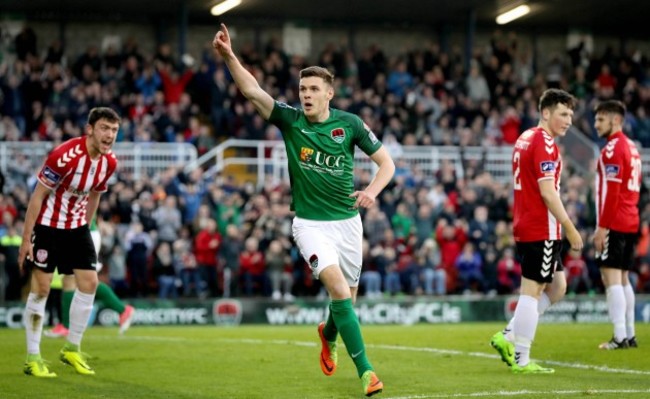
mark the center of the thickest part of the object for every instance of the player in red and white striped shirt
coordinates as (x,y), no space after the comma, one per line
(56,233)
(538,215)
(72,175)
(618,183)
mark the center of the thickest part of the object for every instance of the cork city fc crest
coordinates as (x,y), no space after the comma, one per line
(227,312)
(338,135)
(306,154)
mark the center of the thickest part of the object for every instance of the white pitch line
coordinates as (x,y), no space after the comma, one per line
(604,369)
(524,393)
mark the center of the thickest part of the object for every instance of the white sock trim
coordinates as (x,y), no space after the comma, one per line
(524,326)
(616,309)
(80,310)
(630,303)
(34,317)
(543,304)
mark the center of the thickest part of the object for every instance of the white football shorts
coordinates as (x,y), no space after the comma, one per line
(326,243)
(97,242)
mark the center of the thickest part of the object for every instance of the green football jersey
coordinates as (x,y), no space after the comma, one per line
(321,160)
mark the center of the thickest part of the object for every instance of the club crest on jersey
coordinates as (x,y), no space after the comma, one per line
(338,135)
(306,154)
(547,166)
(41,255)
(612,170)
(51,176)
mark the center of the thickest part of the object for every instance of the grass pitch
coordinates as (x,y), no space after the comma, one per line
(414,362)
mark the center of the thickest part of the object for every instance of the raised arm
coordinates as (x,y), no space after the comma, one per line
(244,80)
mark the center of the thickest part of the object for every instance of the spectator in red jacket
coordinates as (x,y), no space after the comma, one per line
(451,238)
(510,126)
(577,272)
(206,247)
(7,205)
(605,84)
(508,273)
(173,83)
(252,268)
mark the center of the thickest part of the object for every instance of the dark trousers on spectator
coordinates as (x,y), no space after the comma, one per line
(191,277)
(167,287)
(209,277)
(139,284)
(250,280)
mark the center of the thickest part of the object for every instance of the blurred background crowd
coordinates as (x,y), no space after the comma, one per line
(178,234)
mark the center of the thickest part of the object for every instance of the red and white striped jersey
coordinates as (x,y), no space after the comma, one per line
(618,183)
(535,157)
(71,175)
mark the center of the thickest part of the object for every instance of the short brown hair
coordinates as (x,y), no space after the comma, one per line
(103,113)
(552,97)
(611,106)
(319,72)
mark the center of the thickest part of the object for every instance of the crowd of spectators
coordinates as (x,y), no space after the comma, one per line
(177,234)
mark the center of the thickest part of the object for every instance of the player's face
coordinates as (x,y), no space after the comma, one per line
(315,96)
(101,136)
(559,119)
(604,124)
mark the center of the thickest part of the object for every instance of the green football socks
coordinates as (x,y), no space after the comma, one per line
(330,332)
(347,323)
(109,299)
(66,301)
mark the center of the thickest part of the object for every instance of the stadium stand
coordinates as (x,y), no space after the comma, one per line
(191,142)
